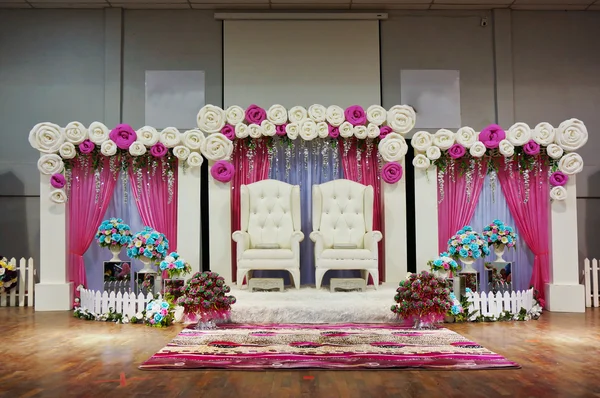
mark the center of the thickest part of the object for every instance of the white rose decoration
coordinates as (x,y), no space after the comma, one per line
(46,137)
(554,151)
(241,130)
(268,128)
(193,139)
(217,147)
(255,131)
(571,135)
(466,136)
(433,153)
(137,149)
(322,130)
(360,132)
(335,115)
(181,152)
(297,114)
(477,150)
(421,162)
(421,141)
(108,148)
(519,134)
(235,115)
(346,130)
(277,114)
(50,164)
(317,112)
(292,130)
(195,159)
(170,137)
(571,163)
(443,139)
(147,135)
(211,119)
(308,130)
(58,196)
(372,130)
(76,133)
(401,118)
(543,134)
(393,147)
(558,193)
(67,150)
(98,133)
(506,148)
(376,114)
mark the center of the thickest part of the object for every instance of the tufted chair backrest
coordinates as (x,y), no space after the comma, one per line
(270,212)
(343,212)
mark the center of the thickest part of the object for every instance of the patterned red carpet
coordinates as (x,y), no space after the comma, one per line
(332,346)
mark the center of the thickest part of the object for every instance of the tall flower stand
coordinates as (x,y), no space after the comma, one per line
(146,273)
(115,250)
(469,272)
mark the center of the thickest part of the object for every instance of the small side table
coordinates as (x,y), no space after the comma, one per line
(265,284)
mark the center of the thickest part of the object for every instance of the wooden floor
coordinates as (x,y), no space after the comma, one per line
(56,355)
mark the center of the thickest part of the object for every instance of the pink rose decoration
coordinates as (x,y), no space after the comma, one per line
(228,131)
(492,135)
(158,150)
(87,147)
(222,171)
(356,115)
(334,132)
(383,131)
(255,114)
(457,151)
(391,172)
(280,129)
(123,135)
(558,179)
(58,181)
(531,148)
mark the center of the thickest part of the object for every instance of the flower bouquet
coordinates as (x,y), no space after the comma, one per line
(468,246)
(204,299)
(159,313)
(175,265)
(456,309)
(148,246)
(501,237)
(8,276)
(423,299)
(443,265)
(113,234)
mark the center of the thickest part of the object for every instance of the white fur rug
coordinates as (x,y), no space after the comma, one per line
(309,305)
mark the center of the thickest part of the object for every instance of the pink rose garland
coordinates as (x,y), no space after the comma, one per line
(356,115)
(255,114)
(280,129)
(158,150)
(383,131)
(334,132)
(492,135)
(558,179)
(457,151)
(58,181)
(391,172)
(228,131)
(531,148)
(123,135)
(222,171)
(87,147)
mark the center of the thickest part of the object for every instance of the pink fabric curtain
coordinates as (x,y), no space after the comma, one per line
(531,211)
(457,207)
(156,202)
(86,208)
(361,164)
(251,165)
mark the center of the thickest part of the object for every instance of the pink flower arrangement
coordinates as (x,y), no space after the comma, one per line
(457,151)
(228,131)
(384,130)
(123,135)
(334,132)
(158,150)
(531,148)
(558,179)
(222,171)
(391,172)
(255,114)
(87,147)
(205,296)
(356,115)
(58,181)
(280,129)
(492,135)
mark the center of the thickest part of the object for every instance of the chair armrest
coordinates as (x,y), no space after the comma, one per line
(243,242)
(371,240)
(317,237)
(297,237)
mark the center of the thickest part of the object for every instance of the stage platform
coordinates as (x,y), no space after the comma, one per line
(309,305)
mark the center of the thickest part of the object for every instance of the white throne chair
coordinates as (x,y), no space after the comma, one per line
(270,233)
(343,229)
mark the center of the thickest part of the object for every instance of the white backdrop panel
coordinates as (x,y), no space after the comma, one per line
(301,63)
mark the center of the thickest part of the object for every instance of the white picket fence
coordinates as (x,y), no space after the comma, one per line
(592,290)
(122,303)
(22,294)
(491,304)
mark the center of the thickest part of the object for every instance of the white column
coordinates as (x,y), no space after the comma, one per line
(426,216)
(503,67)
(188,216)
(54,292)
(564,293)
(220,227)
(394,199)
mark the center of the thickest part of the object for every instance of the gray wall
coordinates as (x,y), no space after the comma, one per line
(61,65)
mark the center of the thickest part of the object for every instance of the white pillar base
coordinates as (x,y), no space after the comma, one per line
(565,298)
(54,296)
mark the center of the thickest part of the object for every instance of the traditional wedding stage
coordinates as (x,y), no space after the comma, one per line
(310,305)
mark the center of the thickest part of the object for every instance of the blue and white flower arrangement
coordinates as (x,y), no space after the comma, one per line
(497,234)
(175,265)
(468,245)
(148,243)
(444,263)
(113,233)
(159,313)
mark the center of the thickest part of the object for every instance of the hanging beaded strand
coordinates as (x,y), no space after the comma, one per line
(124,179)
(336,159)
(97,185)
(288,159)
(440,176)
(469,178)
(359,161)
(325,160)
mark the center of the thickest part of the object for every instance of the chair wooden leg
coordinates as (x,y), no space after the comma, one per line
(295,274)
(241,274)
(319,272)
(375,275)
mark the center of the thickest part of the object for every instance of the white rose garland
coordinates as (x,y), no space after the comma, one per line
(67,150)
(393,147)
(46,137)
(335,115)
(433,153)
(372,130)
(477,150)
(211,119)
(308,130)
(571,163)
(181,152)
(317,112)
(506,148)
(360,132)
(346,130)
(292,130)
(421,141)
(558,193)
(376,114)
(98,133)
(194,159)
(193,139)
(235,115)
(277,114)
(554,151)
(466,137)
(170,137)
(571,135)
(297,114)
(58,196)
(50,164)
(268,128)
(137,149)
(241,131)
(148,135)
(255,131)
(443,139)
(323,129)
(76,133)
(519,134)
(216,147)
(421,162)
(401,118)
(108,148)
(543,134)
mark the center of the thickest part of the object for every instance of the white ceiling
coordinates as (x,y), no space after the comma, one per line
(372,5)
